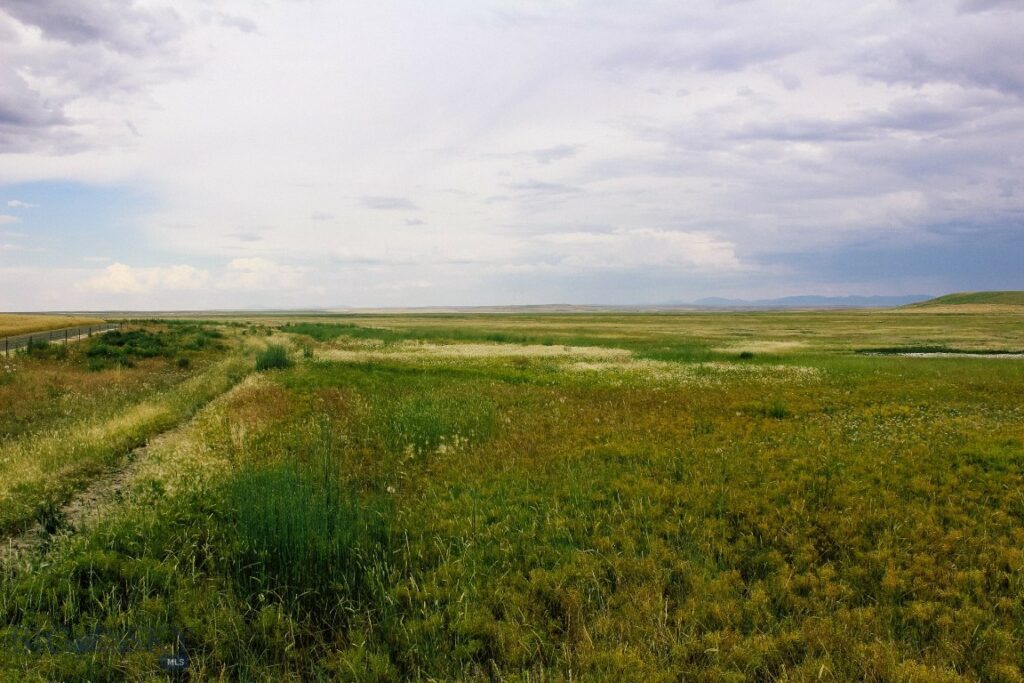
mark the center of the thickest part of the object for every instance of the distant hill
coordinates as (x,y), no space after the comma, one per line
(1014,298)
(815,302)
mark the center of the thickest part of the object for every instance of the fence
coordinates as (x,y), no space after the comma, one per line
(65,335)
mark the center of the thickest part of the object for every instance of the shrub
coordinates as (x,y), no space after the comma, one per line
(746,355)
(42,348)
(119,347)
(274,356)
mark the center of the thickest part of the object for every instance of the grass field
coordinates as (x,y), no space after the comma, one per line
(1010,298)
(16,323)
(696,497)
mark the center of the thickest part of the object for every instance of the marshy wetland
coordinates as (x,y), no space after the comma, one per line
(734,496)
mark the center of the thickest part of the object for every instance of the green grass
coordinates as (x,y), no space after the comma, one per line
(331,331)
(274,357)
(807,513)
(1010,298)
(306,540)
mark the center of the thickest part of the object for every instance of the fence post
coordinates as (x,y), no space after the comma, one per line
(65,337)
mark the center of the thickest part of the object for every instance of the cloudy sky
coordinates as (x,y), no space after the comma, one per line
(197,154)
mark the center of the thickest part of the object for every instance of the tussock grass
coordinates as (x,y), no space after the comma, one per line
(274,357)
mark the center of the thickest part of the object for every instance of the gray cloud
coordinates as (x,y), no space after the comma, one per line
(116,24)
(554,153)
(972,51)
(386,203)
(599,139)
(725,50)
(972,6)
(915,115)
(89,52)
(537,187)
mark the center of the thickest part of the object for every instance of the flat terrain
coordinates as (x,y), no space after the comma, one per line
(17,323)
(590,496)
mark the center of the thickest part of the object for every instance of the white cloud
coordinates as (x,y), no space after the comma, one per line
(641,248)
(723,128)
(7,220)
(119,278)
(18,204)
(259,273)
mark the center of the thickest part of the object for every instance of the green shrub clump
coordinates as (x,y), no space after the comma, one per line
(42,348)
(123,348)
(274,356)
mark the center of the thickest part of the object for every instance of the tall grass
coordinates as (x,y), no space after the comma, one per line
(274,357)
(41,471)
(306,539)
(423,424)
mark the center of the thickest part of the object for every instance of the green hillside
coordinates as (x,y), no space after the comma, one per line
(1012,298)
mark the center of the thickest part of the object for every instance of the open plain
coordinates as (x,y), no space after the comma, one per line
(733,496)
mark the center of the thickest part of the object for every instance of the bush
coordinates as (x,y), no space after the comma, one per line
(42,348)
(274,356)
(118,347)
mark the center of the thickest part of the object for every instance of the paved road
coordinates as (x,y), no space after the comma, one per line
(9,344)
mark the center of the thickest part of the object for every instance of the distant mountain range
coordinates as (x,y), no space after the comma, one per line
(812,301)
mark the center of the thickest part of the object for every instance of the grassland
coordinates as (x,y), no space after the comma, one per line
(16,323)
(705,497)
(973,303)
(1008,298)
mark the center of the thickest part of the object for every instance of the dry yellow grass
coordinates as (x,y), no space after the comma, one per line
(17,323)
(422,351)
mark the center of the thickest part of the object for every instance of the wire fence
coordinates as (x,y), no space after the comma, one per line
(62,336)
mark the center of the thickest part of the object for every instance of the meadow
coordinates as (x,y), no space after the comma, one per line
(733,496)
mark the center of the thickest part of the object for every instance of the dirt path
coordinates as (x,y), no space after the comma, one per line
(93,501)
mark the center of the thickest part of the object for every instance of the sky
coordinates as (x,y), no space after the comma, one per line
(313,153)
